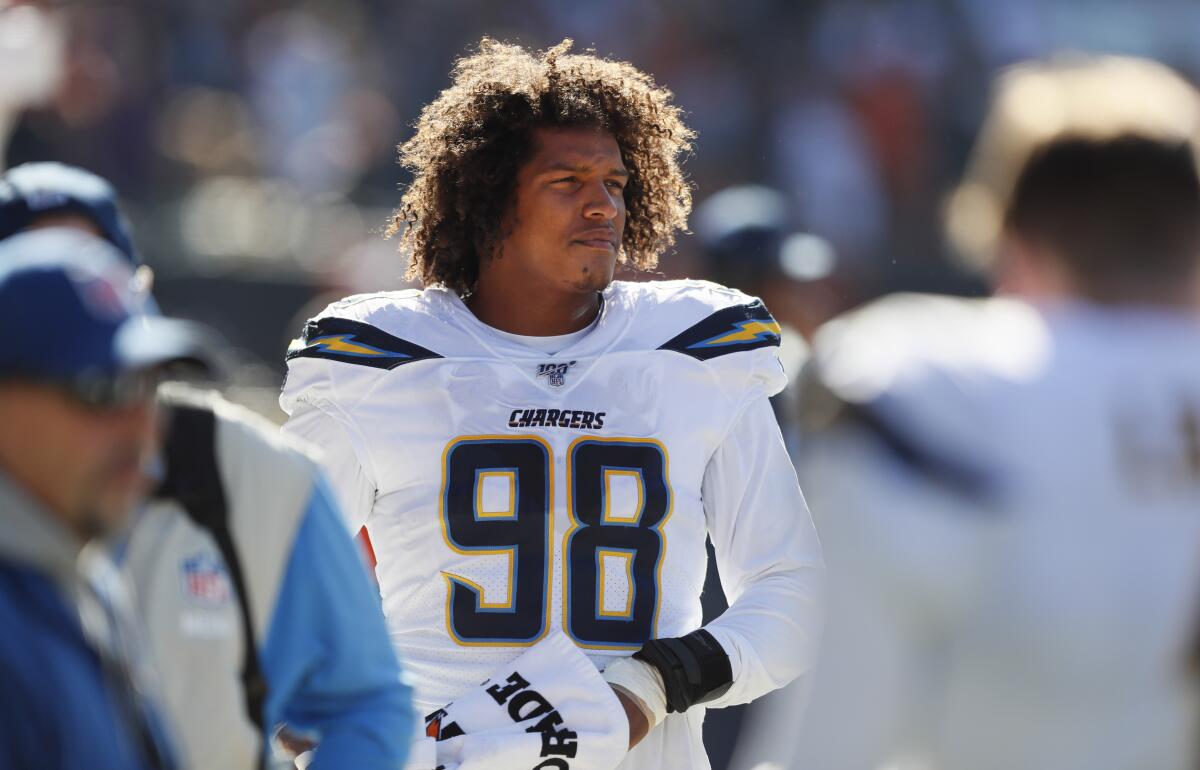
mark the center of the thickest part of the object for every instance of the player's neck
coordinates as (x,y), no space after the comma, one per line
(546,315)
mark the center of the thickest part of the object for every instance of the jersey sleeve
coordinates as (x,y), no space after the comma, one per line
(768,557)
(922,368)
(331,366)
(897,485)
(335,450)
(903,549)
(732,333)
(900,463)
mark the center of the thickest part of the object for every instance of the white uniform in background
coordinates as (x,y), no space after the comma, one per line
(1010,504)
(510,491)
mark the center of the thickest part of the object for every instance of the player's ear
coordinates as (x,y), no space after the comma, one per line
(1007,263)
(1018,265)
(1029,267)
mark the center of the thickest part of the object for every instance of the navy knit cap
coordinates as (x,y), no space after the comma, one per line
(33,190)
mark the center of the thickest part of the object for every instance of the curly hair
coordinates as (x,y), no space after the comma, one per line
(474,137)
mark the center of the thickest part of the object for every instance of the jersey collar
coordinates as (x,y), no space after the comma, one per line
(606,332)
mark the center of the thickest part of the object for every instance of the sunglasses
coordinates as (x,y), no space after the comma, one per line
(101,392)
(113,392)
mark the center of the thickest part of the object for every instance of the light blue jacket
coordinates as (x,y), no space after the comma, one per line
(323,648)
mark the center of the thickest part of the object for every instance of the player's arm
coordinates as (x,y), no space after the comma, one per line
(897,505)
(319,396)
(877,525)
(330,435)
(327,656)
(771,568)
(768,557)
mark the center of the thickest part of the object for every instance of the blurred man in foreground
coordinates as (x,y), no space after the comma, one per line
(77,437)
(1009,488)
(258,608)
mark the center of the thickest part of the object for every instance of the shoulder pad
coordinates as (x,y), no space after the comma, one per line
(729,330)
(355,342)
(931,377)
(903,345)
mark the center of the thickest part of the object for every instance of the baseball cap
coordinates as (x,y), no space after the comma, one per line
(74,317)
(33,190)
(746,233)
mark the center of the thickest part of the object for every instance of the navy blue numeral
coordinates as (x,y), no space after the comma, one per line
(632,538)
(521,532)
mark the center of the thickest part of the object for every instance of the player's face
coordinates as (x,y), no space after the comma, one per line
(86,465)
(569,215)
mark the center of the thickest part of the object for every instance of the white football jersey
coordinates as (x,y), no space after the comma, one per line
(1011,508)
(509,493)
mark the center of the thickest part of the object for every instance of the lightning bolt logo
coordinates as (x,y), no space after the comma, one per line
(744,331)
(344,345)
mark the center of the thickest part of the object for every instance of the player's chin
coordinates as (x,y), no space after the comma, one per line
(592,282)
(106,514)
(114,499)
(592,268)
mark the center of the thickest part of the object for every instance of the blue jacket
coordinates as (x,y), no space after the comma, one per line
(58,710)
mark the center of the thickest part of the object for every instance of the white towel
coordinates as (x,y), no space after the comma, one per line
(547,710)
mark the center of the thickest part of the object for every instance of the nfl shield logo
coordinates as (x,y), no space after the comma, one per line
(205,581)
(555,374)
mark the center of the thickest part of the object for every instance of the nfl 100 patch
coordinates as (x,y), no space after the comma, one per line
(555,373)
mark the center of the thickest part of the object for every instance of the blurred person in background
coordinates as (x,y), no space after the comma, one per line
(745,232)
(1008,488)
(747,238)
(258,608)
(504,434)
(749,241)
(78,437)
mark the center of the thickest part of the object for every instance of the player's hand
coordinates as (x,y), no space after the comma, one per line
(639,725)
(296,745)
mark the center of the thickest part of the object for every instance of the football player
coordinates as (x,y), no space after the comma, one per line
(537,449)
(1010,487)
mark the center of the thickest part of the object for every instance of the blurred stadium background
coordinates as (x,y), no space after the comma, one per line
(253,141)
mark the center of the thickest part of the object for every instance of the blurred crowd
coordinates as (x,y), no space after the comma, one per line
(253,146)
(254,140)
